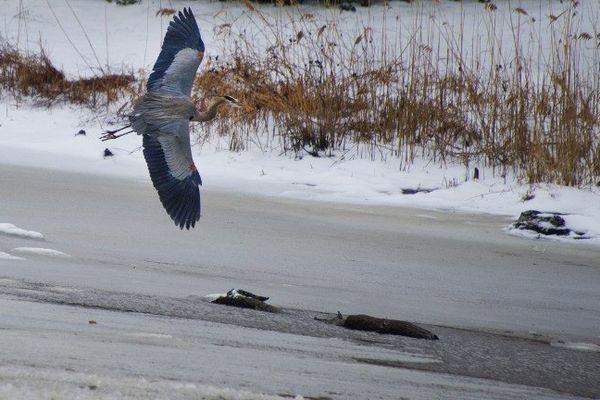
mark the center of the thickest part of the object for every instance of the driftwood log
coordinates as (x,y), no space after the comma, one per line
(362,322)
(243,299)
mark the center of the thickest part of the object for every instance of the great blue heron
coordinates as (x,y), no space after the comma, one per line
(162,116)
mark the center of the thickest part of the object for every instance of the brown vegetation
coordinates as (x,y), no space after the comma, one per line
(315,93)
(35,76)
(319,93)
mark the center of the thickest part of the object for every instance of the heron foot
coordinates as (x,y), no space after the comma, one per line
(109,135)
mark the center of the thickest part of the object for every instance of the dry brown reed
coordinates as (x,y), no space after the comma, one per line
(315,92)
(35,76)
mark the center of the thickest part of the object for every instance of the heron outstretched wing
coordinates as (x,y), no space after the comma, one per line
(174,175)
(181,54)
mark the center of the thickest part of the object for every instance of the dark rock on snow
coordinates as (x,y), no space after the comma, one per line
(544,223)
(417,190)
(244,299)
(242,292)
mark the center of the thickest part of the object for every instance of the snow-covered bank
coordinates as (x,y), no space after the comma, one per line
(46,138)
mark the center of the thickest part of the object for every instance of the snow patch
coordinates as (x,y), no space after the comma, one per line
(40,251)
(26,383)
(6,256)
(577,346)
(13,230)
(149,335)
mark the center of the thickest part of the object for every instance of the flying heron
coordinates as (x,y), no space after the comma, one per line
(162,116)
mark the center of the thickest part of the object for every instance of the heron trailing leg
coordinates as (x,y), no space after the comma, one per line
(108,135)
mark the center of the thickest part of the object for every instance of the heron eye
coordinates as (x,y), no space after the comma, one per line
(230,98)
(191,117)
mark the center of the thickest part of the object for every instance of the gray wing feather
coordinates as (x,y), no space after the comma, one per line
(168,155)
(179,77)
(180,56)
(175,141)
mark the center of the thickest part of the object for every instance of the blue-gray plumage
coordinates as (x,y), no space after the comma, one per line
(181,54)
(163,115)
(179,196)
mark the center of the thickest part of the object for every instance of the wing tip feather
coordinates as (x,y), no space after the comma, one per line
(182,32)
(180,198)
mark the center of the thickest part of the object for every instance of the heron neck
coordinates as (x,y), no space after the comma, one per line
(211,112)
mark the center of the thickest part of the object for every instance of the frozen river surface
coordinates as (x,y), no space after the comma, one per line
(495,301)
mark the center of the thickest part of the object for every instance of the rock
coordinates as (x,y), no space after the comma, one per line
(246,302)
(548,223)
(244,299)
(80,133)
(362,322)
(417,190)
(108,153)
(242,292)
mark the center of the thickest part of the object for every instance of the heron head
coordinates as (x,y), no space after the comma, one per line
(231,101)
